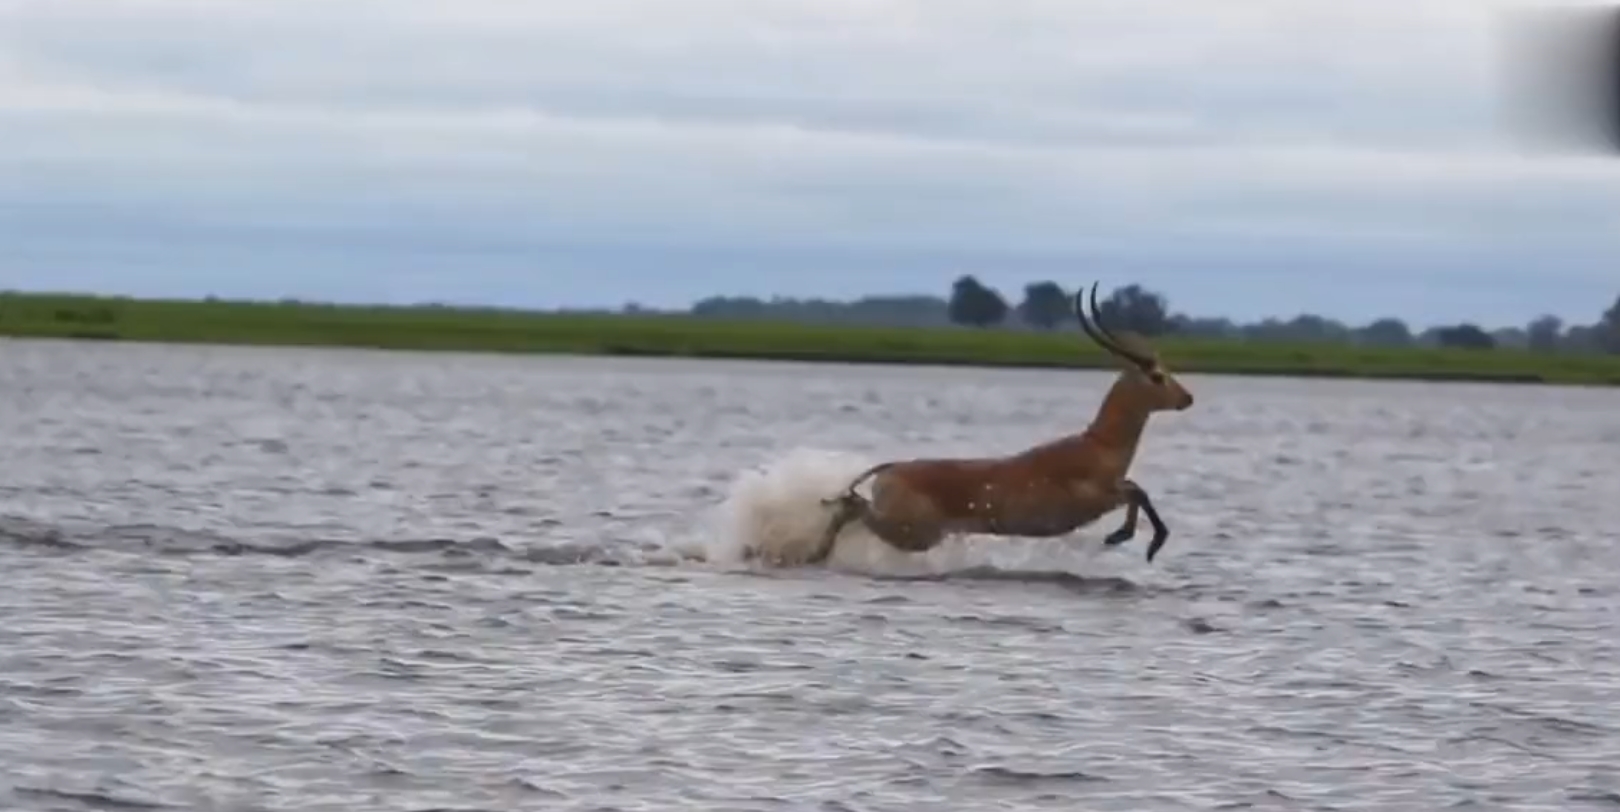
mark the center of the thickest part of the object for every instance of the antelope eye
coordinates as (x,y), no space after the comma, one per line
(1156,376)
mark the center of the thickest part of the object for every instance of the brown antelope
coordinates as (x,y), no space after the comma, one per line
(1049,490)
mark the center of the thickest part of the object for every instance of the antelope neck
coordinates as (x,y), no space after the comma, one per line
(1120,419)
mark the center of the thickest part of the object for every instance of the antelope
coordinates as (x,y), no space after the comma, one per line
(1045,491)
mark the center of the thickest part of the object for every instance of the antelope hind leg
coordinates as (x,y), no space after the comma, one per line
(846,508)
(903,535)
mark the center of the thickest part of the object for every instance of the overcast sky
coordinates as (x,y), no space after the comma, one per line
(1245,157)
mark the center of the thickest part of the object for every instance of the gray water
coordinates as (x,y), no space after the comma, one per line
(304,579)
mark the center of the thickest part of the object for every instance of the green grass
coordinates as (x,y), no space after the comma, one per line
(444,328)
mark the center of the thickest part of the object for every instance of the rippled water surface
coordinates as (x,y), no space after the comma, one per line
(302,579)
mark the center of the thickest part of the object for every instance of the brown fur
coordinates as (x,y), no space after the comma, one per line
(1048,490)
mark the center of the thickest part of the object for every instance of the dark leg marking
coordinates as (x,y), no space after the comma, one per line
(1137,500)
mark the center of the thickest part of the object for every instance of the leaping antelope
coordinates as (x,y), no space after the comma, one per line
(1049,490)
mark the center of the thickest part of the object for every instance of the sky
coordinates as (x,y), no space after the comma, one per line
(1246,158)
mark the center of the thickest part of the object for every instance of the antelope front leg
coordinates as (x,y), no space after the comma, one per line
(1137,500)
(1127,530)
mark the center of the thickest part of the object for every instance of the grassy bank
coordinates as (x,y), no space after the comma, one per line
(435,328)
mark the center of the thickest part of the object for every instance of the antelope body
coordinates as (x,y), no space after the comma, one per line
(1048,490)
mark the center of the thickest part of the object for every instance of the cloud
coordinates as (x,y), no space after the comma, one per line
(560,137)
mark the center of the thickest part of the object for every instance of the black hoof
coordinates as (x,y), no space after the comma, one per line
(1115,539)
(1153,549)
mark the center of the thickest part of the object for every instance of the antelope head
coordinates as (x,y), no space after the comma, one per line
(1147,377)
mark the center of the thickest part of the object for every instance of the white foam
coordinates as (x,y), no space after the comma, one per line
(773,517)
(773,514)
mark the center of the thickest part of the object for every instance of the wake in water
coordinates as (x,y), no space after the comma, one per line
(773,516)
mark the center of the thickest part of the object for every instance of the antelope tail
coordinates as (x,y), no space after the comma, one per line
(849,490)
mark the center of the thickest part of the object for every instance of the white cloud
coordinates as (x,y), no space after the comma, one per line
(1035,125)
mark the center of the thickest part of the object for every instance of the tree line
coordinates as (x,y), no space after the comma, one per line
(1045,305)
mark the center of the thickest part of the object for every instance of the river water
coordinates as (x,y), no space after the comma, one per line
(311,579)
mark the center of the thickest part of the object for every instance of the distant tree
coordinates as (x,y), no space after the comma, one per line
(1464,336)
(1137,309)
(1308,327)
(729,307)
(908,310)
(1544,333)
(1045,305)
(1608,328)
(1510,337)
(974,304)
(1267,329)
(1202,327)
(1385,332)
(1580,338)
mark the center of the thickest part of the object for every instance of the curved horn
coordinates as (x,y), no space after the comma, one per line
(1085,324)
(1101,334)
(1096,316)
